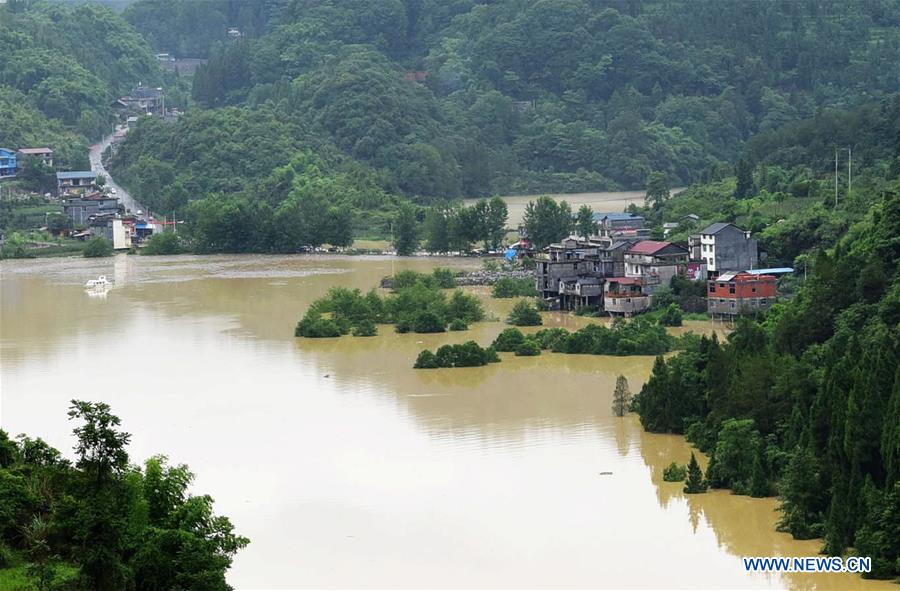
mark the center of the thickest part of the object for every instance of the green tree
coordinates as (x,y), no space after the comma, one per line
(98,246)
(695,483)
(405,230)
(585,226)
(621,397)
(744,173)
(657,190)
(164,243)
(547,221)
(524,313)
(671,315)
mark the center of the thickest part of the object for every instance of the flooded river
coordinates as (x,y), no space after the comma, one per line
(348,468)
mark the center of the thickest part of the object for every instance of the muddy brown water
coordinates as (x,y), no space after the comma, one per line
(346,467)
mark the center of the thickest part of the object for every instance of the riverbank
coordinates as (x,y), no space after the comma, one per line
(474,467)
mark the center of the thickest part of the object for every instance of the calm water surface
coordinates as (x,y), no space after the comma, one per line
(345,466)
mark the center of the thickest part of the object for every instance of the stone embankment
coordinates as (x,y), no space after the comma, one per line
(482,277)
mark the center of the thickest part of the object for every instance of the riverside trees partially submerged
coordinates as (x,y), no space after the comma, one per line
(418,303)
(639,336)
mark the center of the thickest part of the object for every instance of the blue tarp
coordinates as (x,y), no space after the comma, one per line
(775,271)
(510,254)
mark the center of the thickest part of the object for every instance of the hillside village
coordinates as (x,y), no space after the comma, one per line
(76,205)
(619,270)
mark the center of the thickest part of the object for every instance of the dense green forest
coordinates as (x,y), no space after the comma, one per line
(521,96)
(101,522)
(805,401)
(788,197)
(62,68)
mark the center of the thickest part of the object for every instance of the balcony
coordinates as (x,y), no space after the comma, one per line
(626,304)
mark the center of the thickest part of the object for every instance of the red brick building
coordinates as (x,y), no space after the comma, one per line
(733,294)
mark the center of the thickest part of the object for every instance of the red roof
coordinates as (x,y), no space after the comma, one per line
(648,247)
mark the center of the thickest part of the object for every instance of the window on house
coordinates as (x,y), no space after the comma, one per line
(763,301)
(712,288)
(721,300)
(732,304)
(752,290)
(731,288)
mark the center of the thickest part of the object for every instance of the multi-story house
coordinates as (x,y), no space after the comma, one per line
(621,226)
(81,209)
(570,274)
(732,294)
(724,247)
(76,182)
(625,295)
(45,154)
(114,229)
(8,163)
(655,263)
(145,99)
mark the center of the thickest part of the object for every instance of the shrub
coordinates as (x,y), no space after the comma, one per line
(510,287)
(491,355)
(162,244)
(468,354)
(404,279)
(508,340)
(548,338)
(426,360)
(464,306)
(98,246)
(444,278)
(524,313)
(315,326)
(458,324)
(365,328)
(7,557)
(671,315)
(528,348)
(675,473)
(428,322)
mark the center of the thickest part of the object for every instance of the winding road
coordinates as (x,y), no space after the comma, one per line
(96,153)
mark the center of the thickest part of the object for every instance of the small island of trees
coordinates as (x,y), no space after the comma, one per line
(418,303)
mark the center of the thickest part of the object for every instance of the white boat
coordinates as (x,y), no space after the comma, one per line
(101,281)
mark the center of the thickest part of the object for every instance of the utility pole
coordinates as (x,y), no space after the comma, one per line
(849,171)
(835,178)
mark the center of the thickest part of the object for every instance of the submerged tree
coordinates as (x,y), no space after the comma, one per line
(621,397)
(695,483)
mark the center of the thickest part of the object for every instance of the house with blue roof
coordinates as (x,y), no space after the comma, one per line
(8,162)
(75,182)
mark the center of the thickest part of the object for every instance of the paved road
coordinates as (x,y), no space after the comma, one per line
(97,166)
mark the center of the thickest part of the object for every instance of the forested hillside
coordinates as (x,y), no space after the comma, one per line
(62,68)
(784,191)
(466,98)
(805,402)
